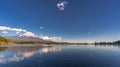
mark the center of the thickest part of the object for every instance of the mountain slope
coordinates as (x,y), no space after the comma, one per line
(2,39)
(25,39)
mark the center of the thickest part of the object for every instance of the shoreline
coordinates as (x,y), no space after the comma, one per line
(35,45)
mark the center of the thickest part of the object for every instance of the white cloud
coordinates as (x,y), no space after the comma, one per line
(51,38)
(12,29)
(41,27)
(17,33)
(4,32)
(62,5)
(28,34)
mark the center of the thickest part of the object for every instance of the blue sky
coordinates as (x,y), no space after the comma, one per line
(80,21)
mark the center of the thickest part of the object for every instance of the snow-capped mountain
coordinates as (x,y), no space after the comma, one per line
(25,39)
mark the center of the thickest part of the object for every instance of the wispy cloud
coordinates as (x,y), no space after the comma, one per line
(41,27)
(51,38)
(12,29)
(61,5)
(89,33)
(17,33)
(4,32)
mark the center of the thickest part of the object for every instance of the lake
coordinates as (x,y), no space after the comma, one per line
(60,56)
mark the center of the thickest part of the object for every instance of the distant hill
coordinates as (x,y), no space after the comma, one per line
(2,39)
(24,39)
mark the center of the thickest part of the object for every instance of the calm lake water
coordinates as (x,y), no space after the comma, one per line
(60,56)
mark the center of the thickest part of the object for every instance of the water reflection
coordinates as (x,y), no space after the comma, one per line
(61,56)
(21,53)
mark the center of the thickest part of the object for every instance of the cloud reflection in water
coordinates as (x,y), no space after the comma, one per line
(19,54)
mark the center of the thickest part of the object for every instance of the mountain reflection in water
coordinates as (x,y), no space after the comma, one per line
(20,53)
(60,56)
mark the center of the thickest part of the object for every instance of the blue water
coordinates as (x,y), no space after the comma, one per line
(60,56)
